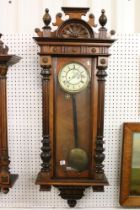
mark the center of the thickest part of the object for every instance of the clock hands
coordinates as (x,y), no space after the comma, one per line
(74,76)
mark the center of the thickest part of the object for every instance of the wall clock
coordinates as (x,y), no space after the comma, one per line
(74,60)
(7,179)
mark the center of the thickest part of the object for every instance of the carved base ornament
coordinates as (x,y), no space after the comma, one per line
(7,179)
(74,59)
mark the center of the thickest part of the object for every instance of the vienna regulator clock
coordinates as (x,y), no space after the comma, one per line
(74,60)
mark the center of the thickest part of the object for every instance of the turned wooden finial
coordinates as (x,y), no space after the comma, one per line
(112,32)
(3,49)
(47,19)
(103,18)
(1,43)
(39,32)
(46,32)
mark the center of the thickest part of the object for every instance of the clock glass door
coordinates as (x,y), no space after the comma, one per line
(73,117)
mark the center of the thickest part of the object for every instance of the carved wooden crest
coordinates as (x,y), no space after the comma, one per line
(74,30)
(74,26)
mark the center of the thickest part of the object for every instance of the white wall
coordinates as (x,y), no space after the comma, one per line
(137,15)
(25,15)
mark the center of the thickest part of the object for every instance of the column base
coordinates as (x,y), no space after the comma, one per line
(4,188)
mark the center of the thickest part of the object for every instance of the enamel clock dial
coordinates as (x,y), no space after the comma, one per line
(73,77)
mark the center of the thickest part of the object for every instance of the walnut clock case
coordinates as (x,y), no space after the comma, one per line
(74,60)
(7,179)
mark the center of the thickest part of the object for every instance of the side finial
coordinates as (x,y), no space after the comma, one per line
(91,20)
(39,32)
(3,49)
(59,20)
(112,32)
(103,18)
(46,32)
(47,19)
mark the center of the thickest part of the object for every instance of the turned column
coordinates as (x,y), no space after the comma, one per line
(6,179)
(4,159)
(99,157)
(45,63)
(102,63)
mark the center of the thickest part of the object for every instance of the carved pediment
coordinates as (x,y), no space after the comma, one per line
(74,29)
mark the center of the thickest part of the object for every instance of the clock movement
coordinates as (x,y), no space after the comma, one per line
(74,59)
(7,179)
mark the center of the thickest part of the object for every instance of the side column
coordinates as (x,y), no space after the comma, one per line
(45,62)
(4,158)
(99,151)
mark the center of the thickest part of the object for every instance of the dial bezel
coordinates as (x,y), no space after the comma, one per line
(80,89)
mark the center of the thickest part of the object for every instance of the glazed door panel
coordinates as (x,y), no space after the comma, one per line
(72,126)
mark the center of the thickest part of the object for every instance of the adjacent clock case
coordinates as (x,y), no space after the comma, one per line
(7,179)
(74,60)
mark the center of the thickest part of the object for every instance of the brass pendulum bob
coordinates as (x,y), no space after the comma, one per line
(78,158)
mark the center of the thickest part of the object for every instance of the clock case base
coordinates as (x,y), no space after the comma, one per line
(70,191)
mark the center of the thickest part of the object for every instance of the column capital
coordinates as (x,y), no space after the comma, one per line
(102,63)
